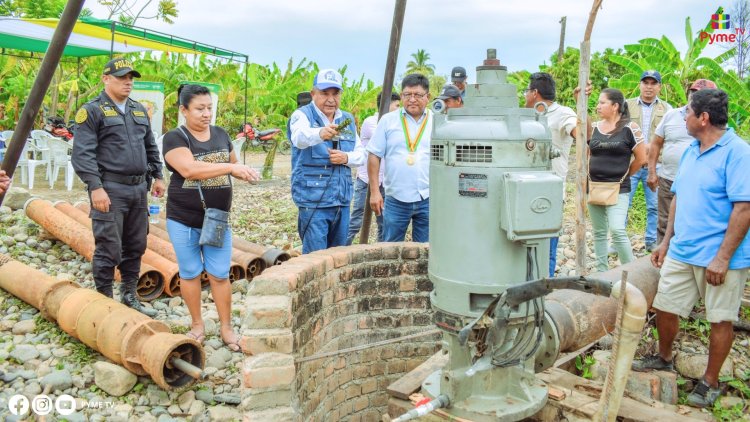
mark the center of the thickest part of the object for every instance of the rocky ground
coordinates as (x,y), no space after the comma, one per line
(37,357)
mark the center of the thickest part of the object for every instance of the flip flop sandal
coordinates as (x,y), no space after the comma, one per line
(197,337)
(233,346)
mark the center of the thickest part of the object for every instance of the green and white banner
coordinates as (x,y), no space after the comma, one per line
(151,95)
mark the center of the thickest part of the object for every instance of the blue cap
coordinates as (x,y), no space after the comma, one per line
(653,74)
(328,78)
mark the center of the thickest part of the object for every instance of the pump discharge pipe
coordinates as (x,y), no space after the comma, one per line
(633,318)
(127,337)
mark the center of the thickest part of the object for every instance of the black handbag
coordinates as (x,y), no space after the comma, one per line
(215,221)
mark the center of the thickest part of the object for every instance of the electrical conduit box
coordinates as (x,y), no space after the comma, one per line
(532,205)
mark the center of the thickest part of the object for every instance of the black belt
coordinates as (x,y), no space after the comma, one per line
(124,178)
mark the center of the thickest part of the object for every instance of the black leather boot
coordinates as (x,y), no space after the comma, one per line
(129,298)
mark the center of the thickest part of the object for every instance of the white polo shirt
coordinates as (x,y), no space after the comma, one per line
(404,182)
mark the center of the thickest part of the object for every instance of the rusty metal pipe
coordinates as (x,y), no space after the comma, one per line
(81,240)
(127,337)
(272,256)
(161,244)
(253,264)
(167,268)
(581,318)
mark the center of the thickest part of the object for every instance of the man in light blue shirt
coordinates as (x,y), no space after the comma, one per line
(706,248)
(402,139)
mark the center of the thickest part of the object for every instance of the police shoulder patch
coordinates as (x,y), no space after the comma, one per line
(82,115)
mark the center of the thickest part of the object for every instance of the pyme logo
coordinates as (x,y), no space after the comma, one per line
(722,24)
(720,21)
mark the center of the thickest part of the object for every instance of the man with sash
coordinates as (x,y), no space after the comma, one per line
(402,139)
(324,140)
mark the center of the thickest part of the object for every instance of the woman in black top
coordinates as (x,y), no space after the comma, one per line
(201,153)
(616,150)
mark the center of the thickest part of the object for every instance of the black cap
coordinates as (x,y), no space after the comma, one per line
(458,74)
(304,98)
(449,91)
(120,67)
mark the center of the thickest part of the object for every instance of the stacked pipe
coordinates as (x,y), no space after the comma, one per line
(251,256)
(125,336)
(151,279)
(158,244)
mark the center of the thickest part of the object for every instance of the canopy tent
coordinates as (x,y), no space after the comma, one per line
(95,37)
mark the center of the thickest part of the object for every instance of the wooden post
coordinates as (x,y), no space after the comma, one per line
(561,49)
(581,142)
(41,83)
(385,98)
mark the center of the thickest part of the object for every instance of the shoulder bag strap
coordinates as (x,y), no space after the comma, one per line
(200,191)
(588,166)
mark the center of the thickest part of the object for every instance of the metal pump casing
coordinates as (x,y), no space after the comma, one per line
(494,204)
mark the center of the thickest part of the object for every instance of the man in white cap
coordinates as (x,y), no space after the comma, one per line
(324,149)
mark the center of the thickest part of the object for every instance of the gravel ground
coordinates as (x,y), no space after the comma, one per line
(36,356)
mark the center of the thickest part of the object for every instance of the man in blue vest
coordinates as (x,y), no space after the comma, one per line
(324,149)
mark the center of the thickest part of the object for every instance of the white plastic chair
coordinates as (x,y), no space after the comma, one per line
(238,143)
(7,134)
(60,159)
(28,165)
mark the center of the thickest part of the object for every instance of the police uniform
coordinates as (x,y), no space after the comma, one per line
(116,150)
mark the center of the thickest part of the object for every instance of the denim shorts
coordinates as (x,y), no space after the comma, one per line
(193,258)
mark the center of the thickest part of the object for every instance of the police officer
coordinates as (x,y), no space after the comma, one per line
(116,155)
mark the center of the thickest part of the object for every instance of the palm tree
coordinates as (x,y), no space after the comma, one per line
(419,64)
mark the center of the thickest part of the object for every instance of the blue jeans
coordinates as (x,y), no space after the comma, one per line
(611,218)
(552,255)
(652,215)
(358,211)
(322,228)
(397,215)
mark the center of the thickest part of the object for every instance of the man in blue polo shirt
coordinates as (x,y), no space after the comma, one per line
(706,248)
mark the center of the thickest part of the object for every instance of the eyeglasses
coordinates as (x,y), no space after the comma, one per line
(527,90)
(415,95)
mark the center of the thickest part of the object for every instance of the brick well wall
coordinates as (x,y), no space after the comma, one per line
(323,302)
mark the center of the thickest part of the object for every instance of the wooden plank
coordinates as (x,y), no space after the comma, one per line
(412,382)
(582,398)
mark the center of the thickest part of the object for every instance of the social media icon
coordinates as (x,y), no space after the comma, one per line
(18,405)
(65,405)
(41,405)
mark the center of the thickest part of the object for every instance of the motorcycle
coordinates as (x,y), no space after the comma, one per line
(264,139)
(56,127)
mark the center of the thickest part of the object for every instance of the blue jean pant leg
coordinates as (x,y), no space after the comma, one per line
(652,215)
(420,225)
(339,227)
(396,218)
(322,228)
(553,255)
(397,215)
(358,211)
